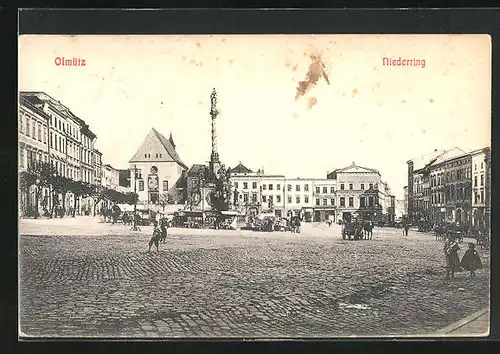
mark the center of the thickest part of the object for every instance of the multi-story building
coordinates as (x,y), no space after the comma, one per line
(421,171)
(68,140)
(299,198)
(361,191)
(480,187)
(110,177)
(33,128)
(457,188)
(156,170)
(313,199)
(418,180)
(256,192)
(98,167)
(452,180)
(325,195)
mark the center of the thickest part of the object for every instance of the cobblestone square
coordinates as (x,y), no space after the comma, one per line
(101,281)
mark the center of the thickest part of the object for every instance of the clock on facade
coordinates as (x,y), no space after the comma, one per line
(196,198)
(153,183)
(154,170)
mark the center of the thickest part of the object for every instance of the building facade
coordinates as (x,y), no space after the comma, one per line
(361,192)
(353,189)
(98,172)
(480,187)
(110,177)
(452,181)
(33,146)
(325,199)
(50,132)
(156,170)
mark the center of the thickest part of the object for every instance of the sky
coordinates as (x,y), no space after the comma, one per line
(374,115)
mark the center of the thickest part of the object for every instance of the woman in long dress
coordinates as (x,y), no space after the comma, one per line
(470,260)
(452,260)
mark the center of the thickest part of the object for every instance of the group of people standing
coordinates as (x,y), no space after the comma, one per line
(470,261)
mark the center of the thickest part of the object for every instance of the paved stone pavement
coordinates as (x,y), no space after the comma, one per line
(98,280)
(476,324)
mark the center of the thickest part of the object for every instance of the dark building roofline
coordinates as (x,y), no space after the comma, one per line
(170,147)
(30,105)
(62,109)
(240,168)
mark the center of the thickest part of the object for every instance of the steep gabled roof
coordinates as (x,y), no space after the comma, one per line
(240,168)
(196,169)
(157,142)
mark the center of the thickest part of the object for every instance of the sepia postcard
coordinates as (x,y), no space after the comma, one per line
(254,186)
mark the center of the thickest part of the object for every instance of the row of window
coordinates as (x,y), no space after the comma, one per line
(475,180)
(71,130)
(31,128)
(479,197)
(140,185)
(27,160)
(450,176)
(147,156)
(324,190)
(475,166)
(363,201)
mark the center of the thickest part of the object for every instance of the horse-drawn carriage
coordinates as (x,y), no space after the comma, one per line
(352,229)
(357,230)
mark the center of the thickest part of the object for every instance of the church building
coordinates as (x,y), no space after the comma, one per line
(159,176)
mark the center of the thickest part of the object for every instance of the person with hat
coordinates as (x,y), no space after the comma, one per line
(470,260)
(452,260)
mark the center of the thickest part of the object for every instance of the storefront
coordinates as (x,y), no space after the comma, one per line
(321,215)
(479,217)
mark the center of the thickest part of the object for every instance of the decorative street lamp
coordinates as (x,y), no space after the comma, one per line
(135,227)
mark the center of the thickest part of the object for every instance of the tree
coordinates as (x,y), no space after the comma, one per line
(79,189)
(131,198)
(97,194)
(26,180)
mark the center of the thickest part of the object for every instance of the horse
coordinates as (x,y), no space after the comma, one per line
(368,230)
(440,231)
(126,219)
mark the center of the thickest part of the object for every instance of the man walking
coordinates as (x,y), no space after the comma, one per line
(406,227)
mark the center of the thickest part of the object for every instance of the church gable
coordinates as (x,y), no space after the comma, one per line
(155,149)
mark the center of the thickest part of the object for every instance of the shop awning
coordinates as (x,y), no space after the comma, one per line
(125,207)
(230,212)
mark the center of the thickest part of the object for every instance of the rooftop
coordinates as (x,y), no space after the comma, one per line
(240,168)
(39,98)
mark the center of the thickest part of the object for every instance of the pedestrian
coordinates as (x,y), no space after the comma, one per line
(451,253)
(406,227)
(163,227)
(155,239)
(297,225)
(470,260)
